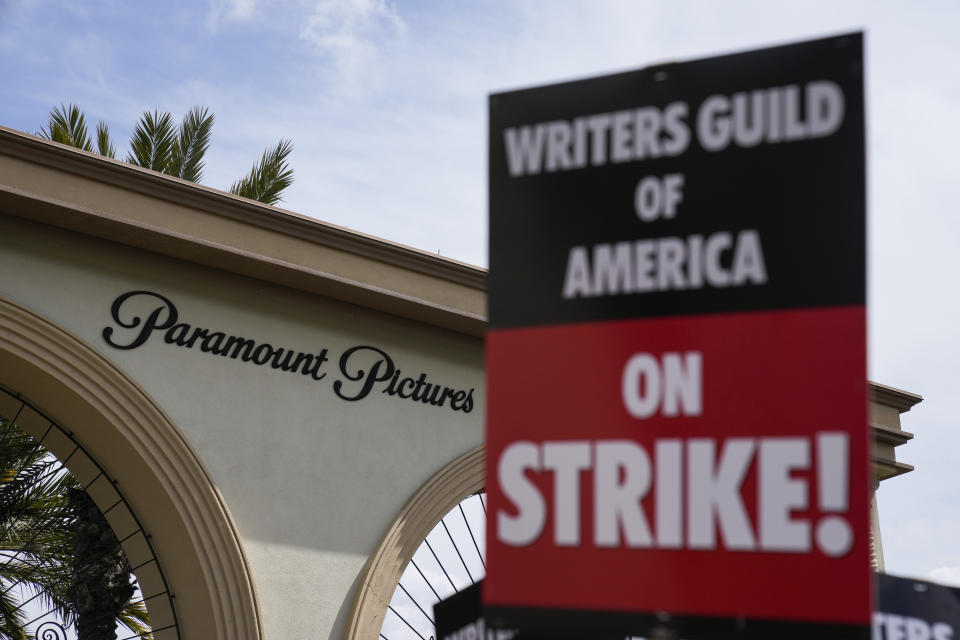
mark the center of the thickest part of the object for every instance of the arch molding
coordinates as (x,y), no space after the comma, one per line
(456,481)
(161,477)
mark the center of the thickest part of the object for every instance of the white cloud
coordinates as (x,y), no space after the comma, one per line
(352,32)
(229,11)
(949,576)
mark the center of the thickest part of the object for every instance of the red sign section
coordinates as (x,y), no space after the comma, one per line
(706,465)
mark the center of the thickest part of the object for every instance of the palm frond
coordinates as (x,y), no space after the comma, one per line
(44,586)
(36,534)
(134,617)
(269,177)
(67,125)
(191,144)
(104,144)
(40,525)
(35,489)
(32,482)
(152,144)
(11,618)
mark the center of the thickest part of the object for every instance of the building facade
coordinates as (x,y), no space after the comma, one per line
(282,408)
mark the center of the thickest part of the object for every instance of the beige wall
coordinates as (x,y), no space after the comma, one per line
(311,480)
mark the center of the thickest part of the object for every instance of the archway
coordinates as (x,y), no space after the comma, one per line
(153,466)
(444,491)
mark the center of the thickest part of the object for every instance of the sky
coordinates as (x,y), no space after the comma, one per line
(385,102)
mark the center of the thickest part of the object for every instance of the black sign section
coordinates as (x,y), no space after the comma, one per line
(460,617)
(915,610)
(732,183)
(907,609)
(610,625)
(359,370)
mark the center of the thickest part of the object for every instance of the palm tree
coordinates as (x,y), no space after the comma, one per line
(36,539)
(159,145)
(53,548)
(100,585)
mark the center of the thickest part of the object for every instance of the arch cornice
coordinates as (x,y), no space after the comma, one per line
(444,491)
(154,467)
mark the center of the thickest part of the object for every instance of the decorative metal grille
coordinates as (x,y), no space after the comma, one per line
(46,458)
(451,557)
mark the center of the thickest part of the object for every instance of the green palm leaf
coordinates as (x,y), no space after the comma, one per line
(67,125)
(38,538)
(44,585)
(191,144)
(134,617)
(269,177)
(11,618)
(104,144)
(158,145)
(152,144)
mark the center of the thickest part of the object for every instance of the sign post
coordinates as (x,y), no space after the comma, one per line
(677,441)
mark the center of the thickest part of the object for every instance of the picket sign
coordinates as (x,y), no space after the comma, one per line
(677,413)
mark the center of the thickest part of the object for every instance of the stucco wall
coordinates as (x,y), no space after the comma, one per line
(311,480)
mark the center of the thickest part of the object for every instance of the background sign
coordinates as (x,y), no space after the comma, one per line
(910,609)
(676,369)
(460,617)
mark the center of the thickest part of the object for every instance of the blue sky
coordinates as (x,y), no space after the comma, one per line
(386,105)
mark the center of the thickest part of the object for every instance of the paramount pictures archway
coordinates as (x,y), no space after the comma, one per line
(138,446)
(165,484)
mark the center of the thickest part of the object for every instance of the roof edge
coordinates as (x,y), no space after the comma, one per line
(901,400)
(24,146)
